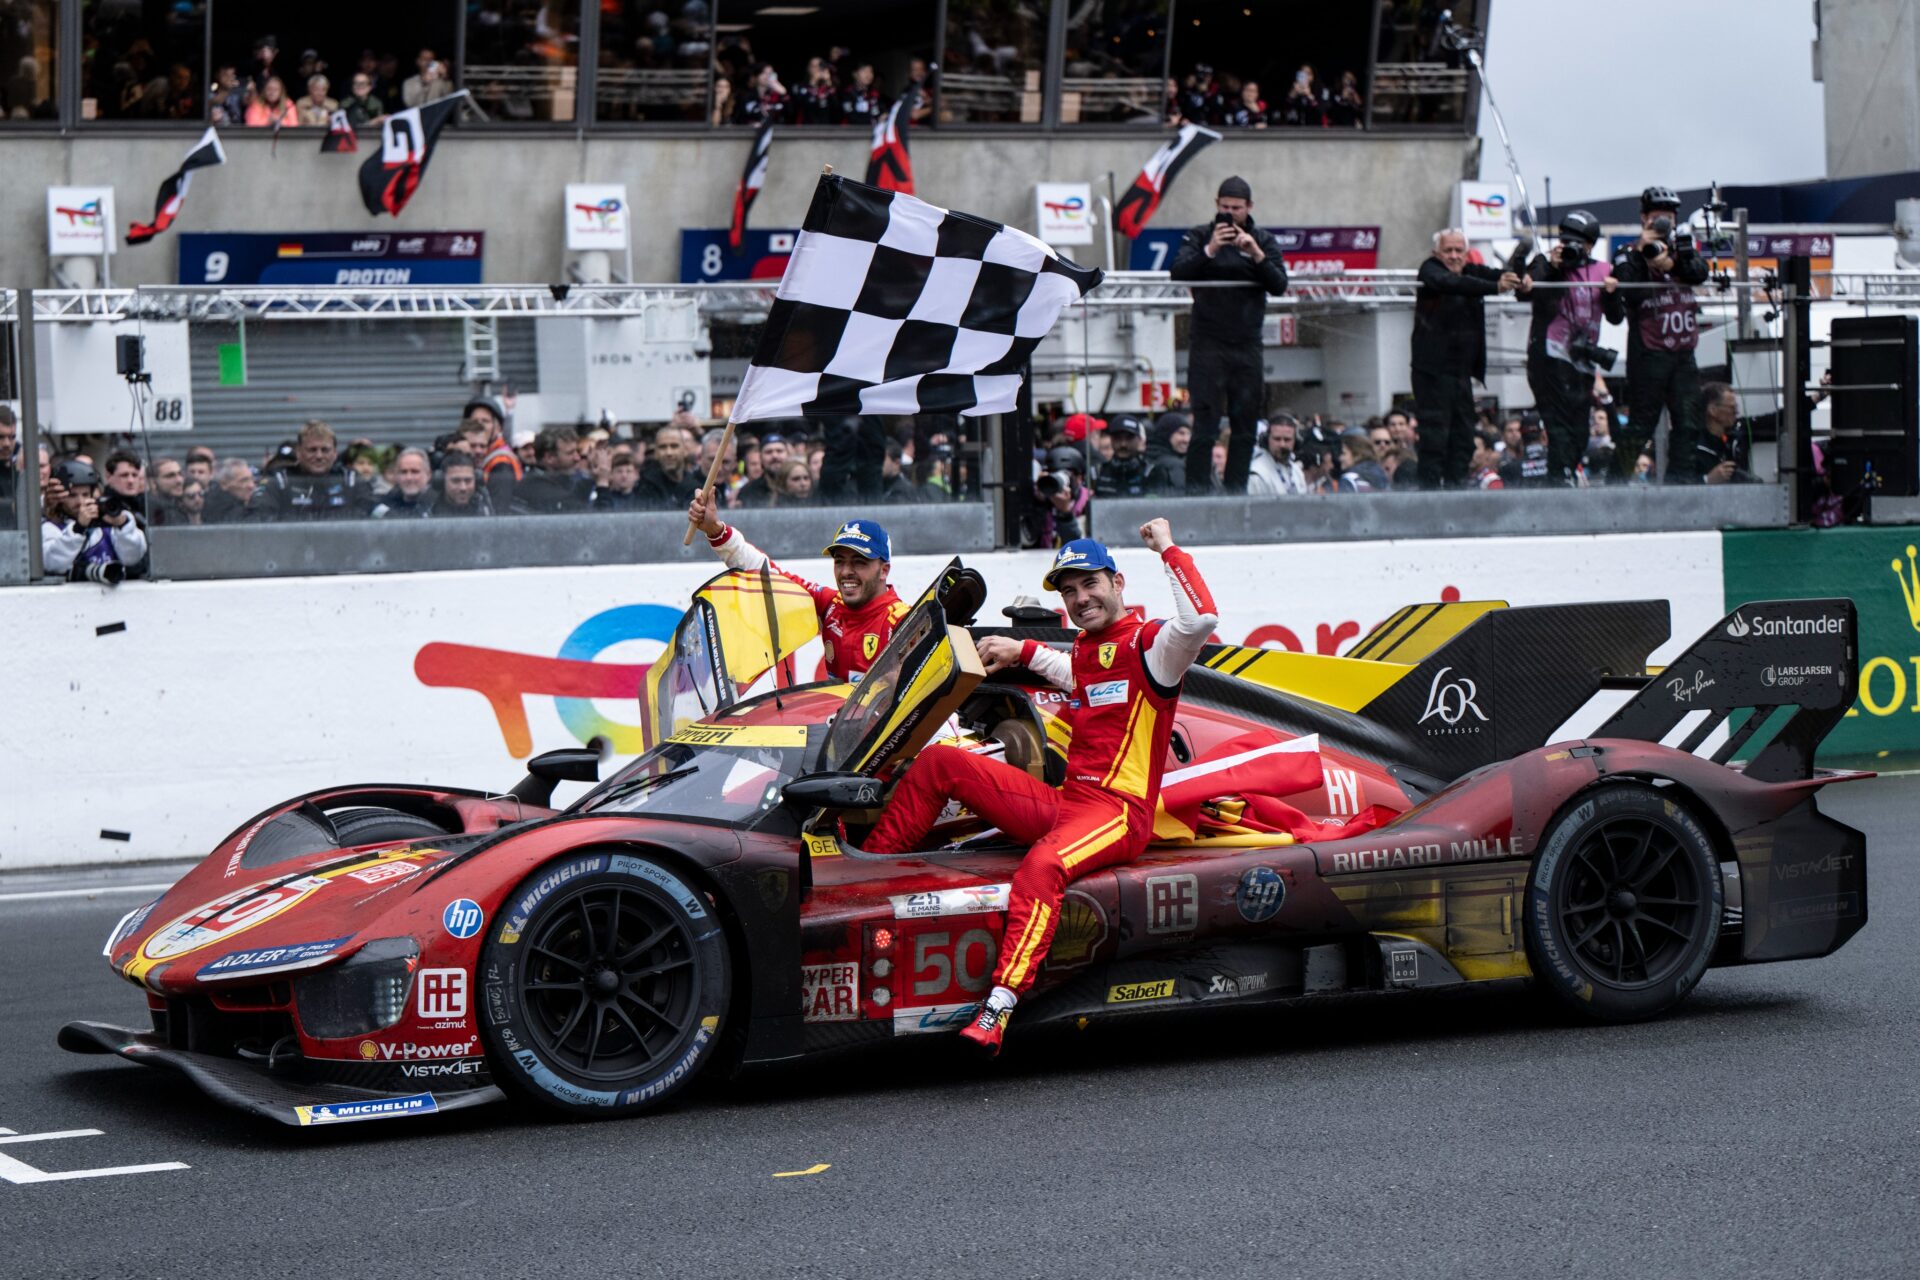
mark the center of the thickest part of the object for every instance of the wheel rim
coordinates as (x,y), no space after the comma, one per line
(610,984)
(1631,902)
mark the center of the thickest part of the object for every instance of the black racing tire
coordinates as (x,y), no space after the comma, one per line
(375,826)
(1623,904)
(605,979)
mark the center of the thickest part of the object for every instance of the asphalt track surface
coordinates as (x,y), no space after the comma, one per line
(1767,1127)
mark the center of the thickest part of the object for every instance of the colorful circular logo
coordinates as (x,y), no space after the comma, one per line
(1260,895)
(591,638)
(462,918)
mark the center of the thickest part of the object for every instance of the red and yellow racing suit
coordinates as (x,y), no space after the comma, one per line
(1125,682)
(853,637)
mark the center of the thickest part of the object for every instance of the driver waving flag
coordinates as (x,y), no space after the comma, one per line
(1124,673)
(857,618)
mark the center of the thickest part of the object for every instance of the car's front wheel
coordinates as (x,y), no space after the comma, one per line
(605,980)
(1624,904)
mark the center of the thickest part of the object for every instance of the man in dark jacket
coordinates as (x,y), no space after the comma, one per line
(668,479)
(621,492)
(315,487)
(550,486)
(1449,352)
(1127,474)
(1662,332)
(1225,370)
(1167,452)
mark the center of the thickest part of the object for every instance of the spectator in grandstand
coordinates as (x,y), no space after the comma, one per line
(1360,470)
(723,102)
(523,448)
(860,100)
(1126,474)
(272,109)
(919,90)
(166,484)
(1449,351)
(228,102)
(1224,364)
(765,99)
(461,493)
(1275,472)
(818,101)
(1307,101)
(362,106)
(1348,110)
(365,460)
(1724,452)
(550,486)
(894,485)
(669,478)
(1317,450)
(227,500)
(853,460)
(316,486)
(412,496)
(265,50)
(793,484)
(126,482)
(199,465)
(83,537)
(1599,455)
(1167,452)
(1642,470)
(758,491)
(191,507)
(1485,473)
(620,493)
(1200,100)
(316,109)
(1403,431)
(482,427)
(1250,110)
(428,84)
(9,468)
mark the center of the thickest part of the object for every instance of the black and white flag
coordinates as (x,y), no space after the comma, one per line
(390,176)
(1136,208)
(173,190)
(752,178)
(340,136)
(893,305)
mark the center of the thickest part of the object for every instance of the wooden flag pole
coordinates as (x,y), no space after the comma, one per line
(726,439)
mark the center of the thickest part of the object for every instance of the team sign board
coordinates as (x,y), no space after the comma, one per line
(79,221)
(705,256)
(597,215)
(1308,250)
(332,257)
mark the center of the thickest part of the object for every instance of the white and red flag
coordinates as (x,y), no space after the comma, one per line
(1142,200)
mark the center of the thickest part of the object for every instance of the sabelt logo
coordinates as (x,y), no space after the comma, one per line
(1136,992)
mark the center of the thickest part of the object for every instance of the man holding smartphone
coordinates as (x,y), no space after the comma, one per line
(1225,371)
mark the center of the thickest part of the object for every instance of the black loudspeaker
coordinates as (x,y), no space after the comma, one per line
(129,355)
(1876,429)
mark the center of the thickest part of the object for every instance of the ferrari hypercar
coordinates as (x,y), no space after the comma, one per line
(1400,818)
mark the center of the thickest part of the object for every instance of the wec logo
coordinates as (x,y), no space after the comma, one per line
(1449,701)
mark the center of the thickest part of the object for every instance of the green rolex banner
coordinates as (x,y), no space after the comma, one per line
(1880,570)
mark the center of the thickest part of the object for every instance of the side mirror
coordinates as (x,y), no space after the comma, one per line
(550,768)
(833,791)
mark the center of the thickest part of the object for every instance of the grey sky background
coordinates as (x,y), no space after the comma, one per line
(1733,87)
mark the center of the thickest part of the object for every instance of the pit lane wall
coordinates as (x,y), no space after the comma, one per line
(148,721)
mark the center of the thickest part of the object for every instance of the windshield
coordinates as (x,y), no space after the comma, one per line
(731,781)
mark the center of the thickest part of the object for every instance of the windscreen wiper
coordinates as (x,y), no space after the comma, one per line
(625,789)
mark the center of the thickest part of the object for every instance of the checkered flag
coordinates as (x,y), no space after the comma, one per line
(893,305)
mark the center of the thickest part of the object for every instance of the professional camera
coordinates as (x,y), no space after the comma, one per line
(1584,352)
(112,504)
(1064,465)
(110,574)
(1678,239)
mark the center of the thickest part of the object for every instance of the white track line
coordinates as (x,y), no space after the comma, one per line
(84,893)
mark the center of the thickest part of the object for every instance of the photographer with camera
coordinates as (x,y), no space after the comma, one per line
(1061,499)
(1226,372)
(84,538)
(1563,346)
(1663,328)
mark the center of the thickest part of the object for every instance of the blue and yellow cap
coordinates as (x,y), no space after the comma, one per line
(1080,555)
(864,537)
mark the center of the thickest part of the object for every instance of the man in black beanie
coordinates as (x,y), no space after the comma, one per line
(1225,376)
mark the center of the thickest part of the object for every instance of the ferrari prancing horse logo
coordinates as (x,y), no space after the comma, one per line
(869,645)
(1107,651)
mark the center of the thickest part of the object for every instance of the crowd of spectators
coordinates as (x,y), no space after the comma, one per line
(836,88)
(1229,101)
(275,92)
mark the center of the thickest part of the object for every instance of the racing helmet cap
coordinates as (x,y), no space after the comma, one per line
(1082,555)
(863,538)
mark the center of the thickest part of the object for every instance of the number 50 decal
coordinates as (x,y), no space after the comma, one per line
(941,964)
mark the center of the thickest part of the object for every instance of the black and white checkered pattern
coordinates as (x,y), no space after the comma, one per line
(893,305)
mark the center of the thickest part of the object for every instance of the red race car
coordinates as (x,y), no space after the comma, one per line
(1393,819)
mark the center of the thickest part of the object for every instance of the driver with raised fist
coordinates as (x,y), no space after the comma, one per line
(1124,673)
(857,613)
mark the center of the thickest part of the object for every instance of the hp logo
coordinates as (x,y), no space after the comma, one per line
(462,918)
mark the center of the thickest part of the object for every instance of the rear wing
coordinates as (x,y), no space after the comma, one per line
(1779,674)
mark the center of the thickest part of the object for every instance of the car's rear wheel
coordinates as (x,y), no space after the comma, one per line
(605,979)
(1624,904)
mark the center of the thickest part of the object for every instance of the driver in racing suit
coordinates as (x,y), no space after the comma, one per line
(1124,673)
(857,620)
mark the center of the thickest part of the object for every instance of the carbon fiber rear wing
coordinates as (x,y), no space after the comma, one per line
(1779,673)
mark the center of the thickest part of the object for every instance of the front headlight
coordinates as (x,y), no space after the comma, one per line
(366,994)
